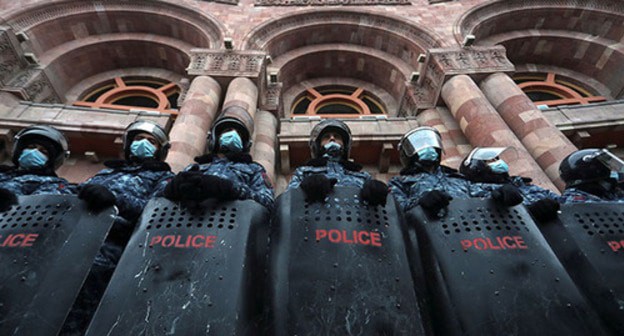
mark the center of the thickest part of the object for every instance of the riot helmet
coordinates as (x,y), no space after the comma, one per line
(149,127)
(477,166)
(327,125)
(416,140)
(589,165)
(49,137)
(228,123)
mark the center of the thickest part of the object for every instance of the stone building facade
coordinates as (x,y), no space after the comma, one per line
(543,76)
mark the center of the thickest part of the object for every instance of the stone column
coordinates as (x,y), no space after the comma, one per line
(188,134)
(546,144)
(433,118)
(241,101)
(483,126)
(264,142)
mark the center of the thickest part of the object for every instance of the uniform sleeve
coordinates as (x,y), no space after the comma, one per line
(295,180)
(400,190)
(535,193)
(261,190)
(159,186)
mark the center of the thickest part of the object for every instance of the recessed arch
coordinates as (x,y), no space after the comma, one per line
(575,36)
(62,21)
(115,52)
(392,35)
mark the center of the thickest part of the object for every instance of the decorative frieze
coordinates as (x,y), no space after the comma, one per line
(226,63)
(227,2)
(330,2)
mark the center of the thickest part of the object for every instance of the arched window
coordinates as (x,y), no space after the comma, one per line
(550,90)
(127,94)
(337,102)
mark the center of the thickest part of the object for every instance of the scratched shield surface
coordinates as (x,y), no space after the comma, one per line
(188,272)
(340,268)
(47,246)
(589,241)
(491,272)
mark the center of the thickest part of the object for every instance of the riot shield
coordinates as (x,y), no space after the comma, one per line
(47,246)
(340,268)
(491,272)
(589,241)
(188,272)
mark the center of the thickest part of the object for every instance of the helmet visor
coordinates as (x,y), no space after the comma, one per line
(419,140)
(607,158)
(485,153)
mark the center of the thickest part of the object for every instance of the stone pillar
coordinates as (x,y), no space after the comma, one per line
(546,144)
(432,118)
(188,134)
(264,142)
(241,101)
(483,126)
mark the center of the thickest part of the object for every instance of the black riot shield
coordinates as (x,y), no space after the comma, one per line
(188,272)
(589,241)
(47,246)
(340,268)
(491,272)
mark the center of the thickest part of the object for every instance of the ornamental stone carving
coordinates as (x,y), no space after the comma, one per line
(10,56)
(33,85)
(330,2)
(226,63)
(442,64)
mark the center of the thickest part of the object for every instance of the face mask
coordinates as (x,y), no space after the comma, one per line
(142,149)
(428,154)
(231,142)
(499,167)
(32,159)
(332,150)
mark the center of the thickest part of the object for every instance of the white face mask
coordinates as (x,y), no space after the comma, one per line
(332,150)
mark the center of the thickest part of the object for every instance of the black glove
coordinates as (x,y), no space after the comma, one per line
(544,210)
(317,187)
(219,188)
(374,192)
(187,186)
(434,201)
(507,195)
(7,199)
(97,197)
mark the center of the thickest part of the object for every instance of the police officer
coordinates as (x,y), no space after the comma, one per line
(423,180)
(226,173)
(37,152)
(330,145)
(490,178)
(128,184)
(592,175)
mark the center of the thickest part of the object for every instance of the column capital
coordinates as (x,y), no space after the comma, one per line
(441,64)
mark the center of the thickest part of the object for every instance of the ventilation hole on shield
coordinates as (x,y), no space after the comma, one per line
(168,226)
(447,232)
(220,226)
(209,225)
(149,227)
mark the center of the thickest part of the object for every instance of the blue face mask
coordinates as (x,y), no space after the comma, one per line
(428,154)
(142,149)
(332,150)
(499,167)
(32,159)
(230,141)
